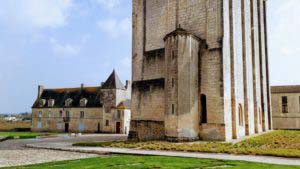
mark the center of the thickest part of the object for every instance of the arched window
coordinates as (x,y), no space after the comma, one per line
(241,115)
(203,109)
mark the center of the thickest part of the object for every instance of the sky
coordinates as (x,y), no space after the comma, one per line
(63,43)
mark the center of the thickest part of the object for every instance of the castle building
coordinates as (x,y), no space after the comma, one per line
(101,109)
(199,70)
(286,107)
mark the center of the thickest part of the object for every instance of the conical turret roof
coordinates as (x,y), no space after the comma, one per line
(113,82)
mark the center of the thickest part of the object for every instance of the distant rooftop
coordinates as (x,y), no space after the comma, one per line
(285,89)
(113,82)
(60,95)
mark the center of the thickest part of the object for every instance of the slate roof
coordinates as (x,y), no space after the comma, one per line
(76,94)
(286,89)
(92,94)
(113,82)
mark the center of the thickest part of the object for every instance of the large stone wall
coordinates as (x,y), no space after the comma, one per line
(154,65)
(183,81)
(148,104)
(233,64)
(201,17)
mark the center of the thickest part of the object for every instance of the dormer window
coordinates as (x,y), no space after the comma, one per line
(83,102)
(68,102)
(50,102)
(42,102)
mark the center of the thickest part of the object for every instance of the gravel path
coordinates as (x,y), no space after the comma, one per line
(31,156)
(15,152)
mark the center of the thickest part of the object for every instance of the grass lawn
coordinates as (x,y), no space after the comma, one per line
(22,135)
(152,162)
(277,143)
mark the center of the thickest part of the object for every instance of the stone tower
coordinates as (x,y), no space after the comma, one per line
(200,69)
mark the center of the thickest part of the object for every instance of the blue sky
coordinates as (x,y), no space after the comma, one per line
(63,43)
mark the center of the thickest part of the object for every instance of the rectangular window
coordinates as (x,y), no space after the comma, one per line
(118,114)
(107,122)
(40,114)
(39,125)
(49,114)
(82,114)
(173,109)
(284,103)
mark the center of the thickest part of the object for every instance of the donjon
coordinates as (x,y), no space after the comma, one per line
(199,70)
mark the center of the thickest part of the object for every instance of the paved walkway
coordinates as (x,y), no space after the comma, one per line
(249,158)
(15,152)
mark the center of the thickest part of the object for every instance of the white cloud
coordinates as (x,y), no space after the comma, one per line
(115,27)
(290,51)
(284,27)
(35,13)
(126,62)
(284,50)
(67,49)
(109,4)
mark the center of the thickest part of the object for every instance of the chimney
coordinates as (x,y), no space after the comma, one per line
(40,90)
(82,86)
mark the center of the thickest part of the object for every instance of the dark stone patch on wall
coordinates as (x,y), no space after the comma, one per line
(145,84)
(142,130)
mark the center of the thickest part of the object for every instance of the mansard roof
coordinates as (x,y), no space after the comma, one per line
(113,82)
(286,89)
(76,94)
(92,94)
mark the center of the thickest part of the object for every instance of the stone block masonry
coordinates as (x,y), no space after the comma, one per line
(199,69)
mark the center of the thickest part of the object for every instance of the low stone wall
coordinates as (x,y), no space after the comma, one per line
(212,132)
(142,130)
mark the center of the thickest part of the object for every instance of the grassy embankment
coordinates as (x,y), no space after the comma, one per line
(276,143)
(21,135)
